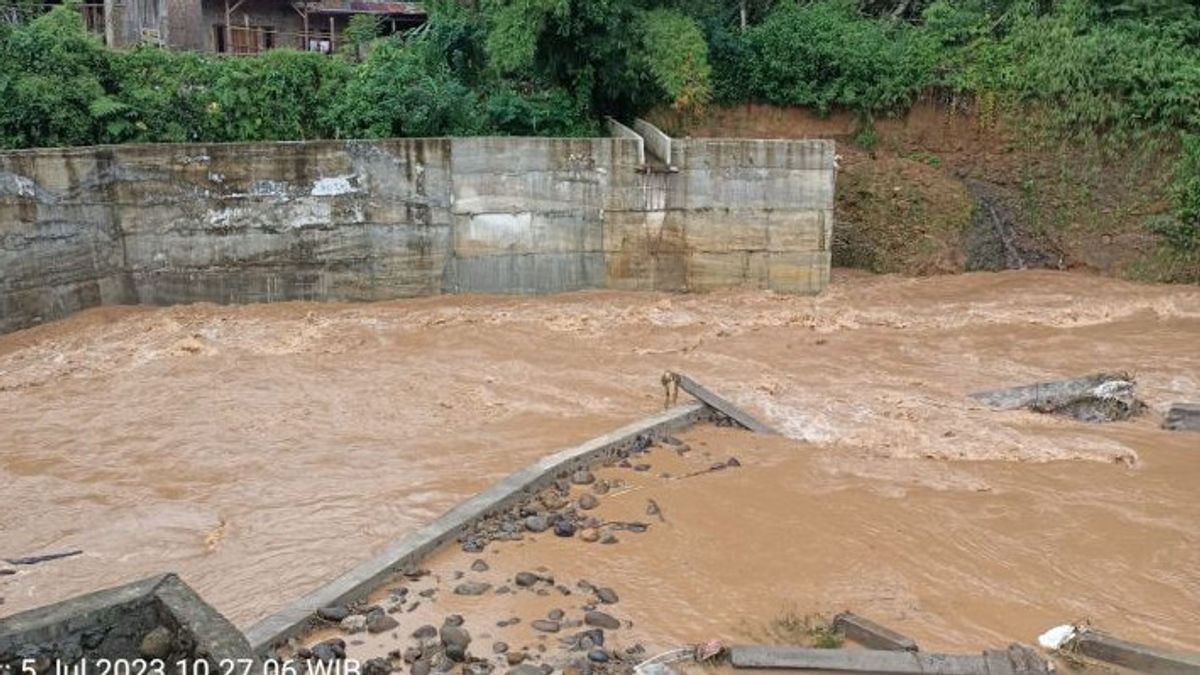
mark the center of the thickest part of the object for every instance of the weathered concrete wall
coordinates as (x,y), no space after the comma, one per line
(233,223)
(727,213)
(359,220)
(528,215)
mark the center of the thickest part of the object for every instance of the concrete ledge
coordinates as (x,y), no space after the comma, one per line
(1183,417)
(1151,660)
(364,578)
(111,624)
(657,142)
(618,130)
(722,406)
(1016,660)
(870,634)
(857,661)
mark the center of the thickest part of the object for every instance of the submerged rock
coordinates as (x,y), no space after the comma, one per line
(537,524)
(1096,398)
(472,588)
(355,623)
(329,650)
(607,596)
(378,621)
(157,643)
(377,666)
(333,614)
(601,620)
(455,636)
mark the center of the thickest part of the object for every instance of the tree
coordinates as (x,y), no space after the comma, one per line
(614,53)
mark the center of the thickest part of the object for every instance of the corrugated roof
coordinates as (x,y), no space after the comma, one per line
(368,6)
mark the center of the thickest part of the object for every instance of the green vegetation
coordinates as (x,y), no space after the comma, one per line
(1111,73)
(1130,68)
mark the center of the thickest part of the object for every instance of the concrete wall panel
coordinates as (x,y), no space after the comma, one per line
(368,220)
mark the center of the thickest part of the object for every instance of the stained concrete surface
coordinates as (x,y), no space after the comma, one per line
(374,220)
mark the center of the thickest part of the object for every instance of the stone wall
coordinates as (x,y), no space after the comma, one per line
(374,220)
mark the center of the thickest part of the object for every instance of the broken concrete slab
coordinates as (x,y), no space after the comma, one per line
(1017,659)
(1103,397)
(721,405)
(114,624)
(886,662)
(855,661)
(870,634)
(1183,417)
(1151,660)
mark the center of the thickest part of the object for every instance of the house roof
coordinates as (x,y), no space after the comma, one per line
(369,7)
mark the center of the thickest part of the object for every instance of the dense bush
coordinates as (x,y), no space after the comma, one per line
(825,54)
(1183,234)
(54,80)
(404,89)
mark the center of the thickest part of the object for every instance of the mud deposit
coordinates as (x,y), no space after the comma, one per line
(260,451)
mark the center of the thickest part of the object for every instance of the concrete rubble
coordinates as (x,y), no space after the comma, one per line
(1183,417)
(1102,397)
(1016,660)
(156,618)
(872,635)
(1101,646)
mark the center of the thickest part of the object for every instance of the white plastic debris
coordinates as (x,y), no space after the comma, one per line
(657,665)
(654,669)
(1058,636)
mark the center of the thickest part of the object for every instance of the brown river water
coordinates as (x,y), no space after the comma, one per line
(260,451)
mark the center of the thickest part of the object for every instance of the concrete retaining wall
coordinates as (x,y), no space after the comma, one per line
(358,220)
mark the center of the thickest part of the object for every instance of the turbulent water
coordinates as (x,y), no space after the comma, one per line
(262,450)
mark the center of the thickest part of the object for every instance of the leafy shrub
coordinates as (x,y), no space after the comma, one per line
(527,110)
(280,95)
(824,55)
(674,54)
(403,89)
(53,79)
(1183,232)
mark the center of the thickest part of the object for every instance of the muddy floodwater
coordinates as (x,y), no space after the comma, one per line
(260,451)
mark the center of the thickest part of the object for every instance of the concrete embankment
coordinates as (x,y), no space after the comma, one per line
(374,220)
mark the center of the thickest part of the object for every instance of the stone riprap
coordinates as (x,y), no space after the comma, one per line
(376,220)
